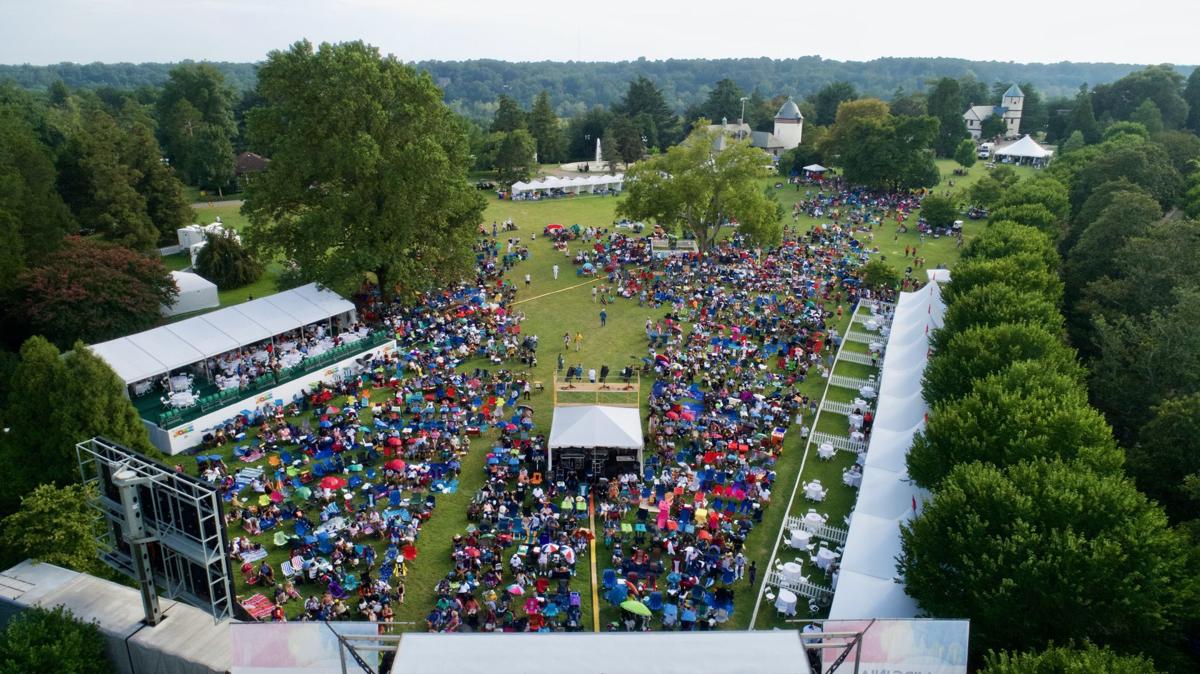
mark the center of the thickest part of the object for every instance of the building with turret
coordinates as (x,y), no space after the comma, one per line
(1011,105)
(788,133)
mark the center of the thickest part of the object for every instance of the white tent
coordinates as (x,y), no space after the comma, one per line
(161,350)
(866,585)
(726,651)
(195,293)
(815,168)
(589,426)
(1025,151)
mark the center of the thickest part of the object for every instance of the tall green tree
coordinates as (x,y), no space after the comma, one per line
(53,640)
(1004,238)
(1047,552)
(224,261)
(660,124)
(368,171)
(546,131)
(987,190)
(997,303)
(888,153)
(1129,214)
(980,351)
(509,116)
(513,156)
(1020,270)
(1083,117)
(1018,414)
(1165,457)
(1141,163)
(723,102)
(198,128)
(1146,272)
(628,141)
(1161,84)
(699,190)
(939,211)
(57,525)
(947,106)
(1191,96)
(829,97)
(166,205)
(1148,115)
(965,153)
(1087,659)
(33,218)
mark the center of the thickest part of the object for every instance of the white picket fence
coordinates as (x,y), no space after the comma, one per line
(844,409)
(860,358)
(802,587)
(862,337)
(841,442)
(853,383)
(825,532)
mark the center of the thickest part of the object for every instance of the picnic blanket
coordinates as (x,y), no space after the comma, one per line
(258,606)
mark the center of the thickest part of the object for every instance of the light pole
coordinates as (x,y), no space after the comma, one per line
(742,119)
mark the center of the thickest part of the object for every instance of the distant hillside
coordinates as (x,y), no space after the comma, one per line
(473,86)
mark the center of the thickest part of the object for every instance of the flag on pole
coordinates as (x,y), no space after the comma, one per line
(914,499)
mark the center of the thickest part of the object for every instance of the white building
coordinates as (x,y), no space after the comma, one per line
(788,133)
(1011,105)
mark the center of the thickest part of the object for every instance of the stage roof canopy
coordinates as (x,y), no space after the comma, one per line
(590,426)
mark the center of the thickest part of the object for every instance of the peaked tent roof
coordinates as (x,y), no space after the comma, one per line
(160,350)
(596,426)
(1026,147)
(789,111)
(815,168)
(1014,92)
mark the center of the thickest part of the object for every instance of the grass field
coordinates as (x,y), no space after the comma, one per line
(553,307)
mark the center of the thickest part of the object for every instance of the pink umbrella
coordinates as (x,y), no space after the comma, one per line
(516,590)
(277,497)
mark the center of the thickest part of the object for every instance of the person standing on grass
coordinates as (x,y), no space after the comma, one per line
(578,341)
(739,566)
(566,341)
(603,317)
(753,575)
(594,291)
(527,280)
(554,270)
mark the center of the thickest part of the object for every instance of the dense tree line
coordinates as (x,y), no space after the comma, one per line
(473,87)
(1035,531)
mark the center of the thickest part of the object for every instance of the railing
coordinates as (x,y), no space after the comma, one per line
(825,532)
(854,383)
(844,409)
(839,442)
(802,587)
(206,404)
(860,358)
(862,337)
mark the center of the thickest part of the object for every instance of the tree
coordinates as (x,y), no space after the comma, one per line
(1191,96)
(92,291)
(890,153)
(1073,142)
(1086,659)
(827,100)
(513,155)
(1046,552)
(1025,271)
(1040,189)
(1160,84)
(368,171)
(1032,215)
(1004,238)
(851,117)
(987,190)
(909,105)
(693,188)
(1191,198)
(1035,115)
(1146,271)
(946,105)
(643,97)
(224,261)
(509,116)
(52,640)
(584,130)
(198,130)
(1183,147)
(1148,115)
(997,303)
(1118,129)
(723,102)
(939,211)
(1099,199)
(1083,118)
(1022,413)
(964,154)
(166,205)
(54,402)
(56,525)
(626,140)
(1164,456)
(993,126)
(877,274)
(544,126)
(977,352)
(1129,214)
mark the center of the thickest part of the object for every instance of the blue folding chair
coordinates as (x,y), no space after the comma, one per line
(655,601)
(609,579)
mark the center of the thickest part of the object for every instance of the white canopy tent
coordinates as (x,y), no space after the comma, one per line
(163,349)
(867,583)
(815,168)
(732,652)
(1025,151)
(195,293)
(574,185)
(589,426)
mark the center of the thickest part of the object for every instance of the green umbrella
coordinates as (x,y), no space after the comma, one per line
(303,493)
(635,607)
(281,539)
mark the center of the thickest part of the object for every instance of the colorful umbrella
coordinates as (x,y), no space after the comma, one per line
(635,607)
(332,410)
(303,492)
(332,482)
(277,496)
(394,464)
(516,590)
(394,441)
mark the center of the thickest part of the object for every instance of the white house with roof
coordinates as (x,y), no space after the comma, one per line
(788,133)
(1011,105)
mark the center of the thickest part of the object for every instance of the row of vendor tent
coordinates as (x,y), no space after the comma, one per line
(868,583)
(161,350)
(574,185)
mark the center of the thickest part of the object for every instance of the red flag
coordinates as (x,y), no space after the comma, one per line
(914,504)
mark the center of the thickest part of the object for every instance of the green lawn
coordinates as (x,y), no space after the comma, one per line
(552,307)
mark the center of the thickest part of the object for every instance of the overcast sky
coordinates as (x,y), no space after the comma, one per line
(1151,31)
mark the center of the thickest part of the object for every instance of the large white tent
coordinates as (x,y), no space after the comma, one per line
(589,426)
(868,584)
(195,293)
(1025,151)
(163,349)
(574,185)
(734,652)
